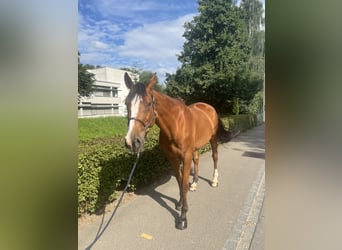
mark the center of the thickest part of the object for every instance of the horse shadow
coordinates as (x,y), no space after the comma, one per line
(107,187)
(159,197)
(114,174)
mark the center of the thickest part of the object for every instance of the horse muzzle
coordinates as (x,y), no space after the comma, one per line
(135,144)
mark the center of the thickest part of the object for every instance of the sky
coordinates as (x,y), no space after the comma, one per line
(132,33)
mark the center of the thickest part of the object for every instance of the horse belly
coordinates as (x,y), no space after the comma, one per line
(202,140)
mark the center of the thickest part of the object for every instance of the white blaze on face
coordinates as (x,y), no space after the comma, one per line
(134,111)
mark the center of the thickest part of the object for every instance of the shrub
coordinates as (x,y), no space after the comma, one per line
(256,105)
(242,122)
(104,165)
(236,106)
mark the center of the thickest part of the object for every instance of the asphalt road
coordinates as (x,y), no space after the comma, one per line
(218,218)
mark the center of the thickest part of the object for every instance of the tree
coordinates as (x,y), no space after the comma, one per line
(215,57)
(253,16)
(133,70)
(145,77)
(256,105)
(85,79)
(236,109)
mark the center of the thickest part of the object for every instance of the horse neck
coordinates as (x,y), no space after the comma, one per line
(166,108)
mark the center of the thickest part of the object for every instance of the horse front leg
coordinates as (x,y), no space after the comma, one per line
(179,175)
(177,171)
(182,221)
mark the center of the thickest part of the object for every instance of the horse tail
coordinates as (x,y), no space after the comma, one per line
(224,135)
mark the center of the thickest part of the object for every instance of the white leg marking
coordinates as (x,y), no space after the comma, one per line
(134,111)
(193,186)
(215,178)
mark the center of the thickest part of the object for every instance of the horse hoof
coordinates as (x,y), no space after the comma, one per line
(214,185)
(181,224)
(178,206)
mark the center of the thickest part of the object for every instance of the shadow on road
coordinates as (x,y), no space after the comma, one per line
(159,197)
(255,145)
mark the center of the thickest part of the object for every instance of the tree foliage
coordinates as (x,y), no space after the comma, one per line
(216,58)
(144,76)
(85,79)
(256,105)
(133,70)
(253,17)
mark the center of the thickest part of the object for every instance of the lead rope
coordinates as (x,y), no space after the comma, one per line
(99,234)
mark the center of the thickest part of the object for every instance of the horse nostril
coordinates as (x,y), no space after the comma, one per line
(137,143)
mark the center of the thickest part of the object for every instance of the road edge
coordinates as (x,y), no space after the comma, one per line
(244,227)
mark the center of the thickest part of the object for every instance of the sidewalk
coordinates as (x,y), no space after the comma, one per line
(218,218)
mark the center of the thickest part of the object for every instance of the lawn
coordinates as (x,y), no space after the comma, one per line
(92,128)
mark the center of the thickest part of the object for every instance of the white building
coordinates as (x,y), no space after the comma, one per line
(108,98)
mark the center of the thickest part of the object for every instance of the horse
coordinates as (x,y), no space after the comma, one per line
(183,131)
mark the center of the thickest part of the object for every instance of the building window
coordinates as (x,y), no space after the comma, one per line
(115,92)
(102,91)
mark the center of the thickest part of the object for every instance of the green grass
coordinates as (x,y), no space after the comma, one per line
(92,128)
(102,127)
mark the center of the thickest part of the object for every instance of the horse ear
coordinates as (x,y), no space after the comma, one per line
(128,81)
(152,82)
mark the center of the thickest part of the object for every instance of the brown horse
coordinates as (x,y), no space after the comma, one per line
(183,131)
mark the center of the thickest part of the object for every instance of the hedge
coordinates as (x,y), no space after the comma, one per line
(242,122)
(104,165)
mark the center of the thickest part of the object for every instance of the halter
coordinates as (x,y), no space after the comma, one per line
(149,124)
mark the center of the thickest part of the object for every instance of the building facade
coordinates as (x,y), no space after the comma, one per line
(108,98)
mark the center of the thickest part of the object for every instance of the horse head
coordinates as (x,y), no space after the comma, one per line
(141,111)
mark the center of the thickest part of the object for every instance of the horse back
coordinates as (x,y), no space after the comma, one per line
(204,120)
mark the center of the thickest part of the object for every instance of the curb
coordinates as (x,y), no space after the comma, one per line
(244,228)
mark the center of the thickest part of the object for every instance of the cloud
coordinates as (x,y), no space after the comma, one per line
(96,34)
(100,45)
(130,33)
(155,46)
(155,42)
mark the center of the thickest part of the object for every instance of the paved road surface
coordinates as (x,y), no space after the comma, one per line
(258,242)
(218,218)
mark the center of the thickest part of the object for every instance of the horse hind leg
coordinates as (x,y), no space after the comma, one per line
(193,185)
(213,142)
